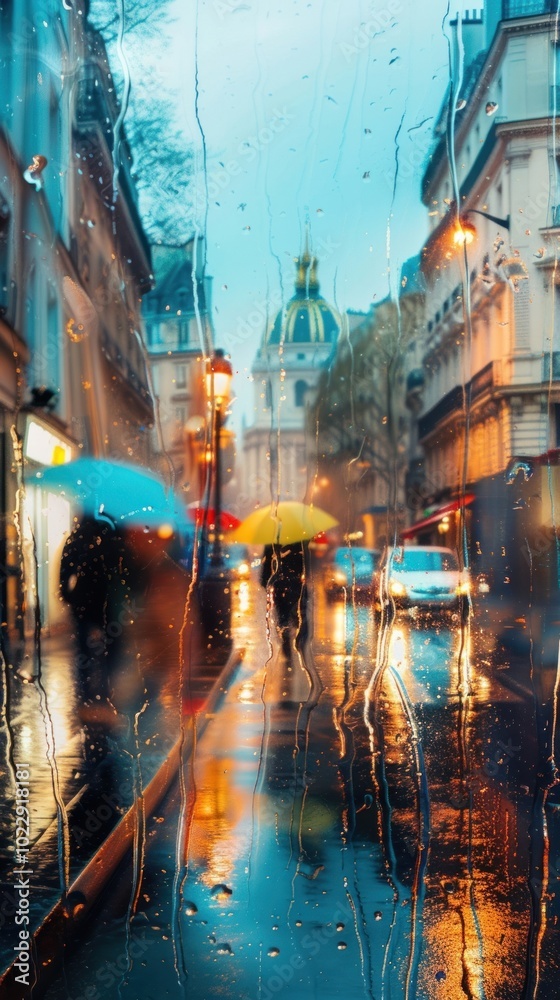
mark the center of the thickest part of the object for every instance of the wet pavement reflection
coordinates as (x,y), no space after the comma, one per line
(348,824)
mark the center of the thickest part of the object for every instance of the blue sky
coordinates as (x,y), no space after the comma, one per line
(293,109)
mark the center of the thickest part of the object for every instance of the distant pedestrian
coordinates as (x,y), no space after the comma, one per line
(285,571)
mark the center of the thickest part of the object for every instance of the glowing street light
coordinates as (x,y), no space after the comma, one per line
(214,589)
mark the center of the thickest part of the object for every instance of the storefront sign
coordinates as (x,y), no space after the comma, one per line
(45,447)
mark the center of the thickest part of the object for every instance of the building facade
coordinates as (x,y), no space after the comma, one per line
(360,418)
(487,364)
(179,336)
(74,263)
(279,453)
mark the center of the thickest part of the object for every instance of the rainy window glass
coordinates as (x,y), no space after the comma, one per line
(279,499)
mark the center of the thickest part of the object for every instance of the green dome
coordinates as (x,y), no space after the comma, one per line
(307,318)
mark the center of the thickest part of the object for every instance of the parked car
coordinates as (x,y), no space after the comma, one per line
(351,568)
(421,576)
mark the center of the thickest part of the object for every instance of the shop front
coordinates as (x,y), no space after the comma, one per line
(45,523)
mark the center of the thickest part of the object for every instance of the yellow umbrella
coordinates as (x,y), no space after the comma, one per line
(282,523)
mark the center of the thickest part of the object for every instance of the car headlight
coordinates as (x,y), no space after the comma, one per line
(464,587)
(339,577)
(397,589)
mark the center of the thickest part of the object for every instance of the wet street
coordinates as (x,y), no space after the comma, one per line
(362,820)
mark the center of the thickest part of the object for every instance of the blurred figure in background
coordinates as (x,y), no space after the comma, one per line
(285,572)
(94,583)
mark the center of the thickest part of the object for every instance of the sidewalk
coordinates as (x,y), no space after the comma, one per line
(79,792)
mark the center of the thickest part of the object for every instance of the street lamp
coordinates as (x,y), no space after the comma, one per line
(219,374)
(466,231)
(214,590)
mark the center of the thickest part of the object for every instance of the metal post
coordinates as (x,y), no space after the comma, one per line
(216,558)
(214,586)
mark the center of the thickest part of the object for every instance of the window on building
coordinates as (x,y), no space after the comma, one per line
(556,428)
(180,376)
(525,8)
(153,334)
(300,390)
(182,331)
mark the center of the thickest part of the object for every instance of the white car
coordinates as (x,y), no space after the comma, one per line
(423,576)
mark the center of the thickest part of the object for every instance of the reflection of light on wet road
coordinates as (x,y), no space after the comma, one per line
(246,693)
(215,814)
(25,739)
(244,609)
(347,627)
(338,623)
(431,661)
(398,652)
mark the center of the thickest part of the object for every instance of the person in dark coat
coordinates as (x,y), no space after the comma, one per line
(93,583)
(285,571)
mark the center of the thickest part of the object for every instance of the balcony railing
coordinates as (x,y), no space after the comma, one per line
(454,400)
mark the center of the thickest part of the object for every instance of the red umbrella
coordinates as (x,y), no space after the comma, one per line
(201,514)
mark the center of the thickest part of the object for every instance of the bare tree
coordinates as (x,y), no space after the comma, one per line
(161,154)
(360,415)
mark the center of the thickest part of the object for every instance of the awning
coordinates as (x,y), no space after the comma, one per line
(437,515)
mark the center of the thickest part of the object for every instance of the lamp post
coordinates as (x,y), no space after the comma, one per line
(214,589)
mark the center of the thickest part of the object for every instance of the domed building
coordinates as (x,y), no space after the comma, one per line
(279,456)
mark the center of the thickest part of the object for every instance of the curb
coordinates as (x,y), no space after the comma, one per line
(69,914)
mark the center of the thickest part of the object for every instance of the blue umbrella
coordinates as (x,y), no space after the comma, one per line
(129,495)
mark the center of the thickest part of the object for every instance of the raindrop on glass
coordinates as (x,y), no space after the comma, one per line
(378,915)
(74,904)
(273,952)
(460,104)
(340,927)
(299,923)
(224,949)
(491,108)
(342,946)
(75,331)
(34,171)
(539,254)
(191,909)
(220,890)
(516,467)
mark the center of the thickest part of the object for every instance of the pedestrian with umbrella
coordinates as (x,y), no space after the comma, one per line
(285,529)
(284,573)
